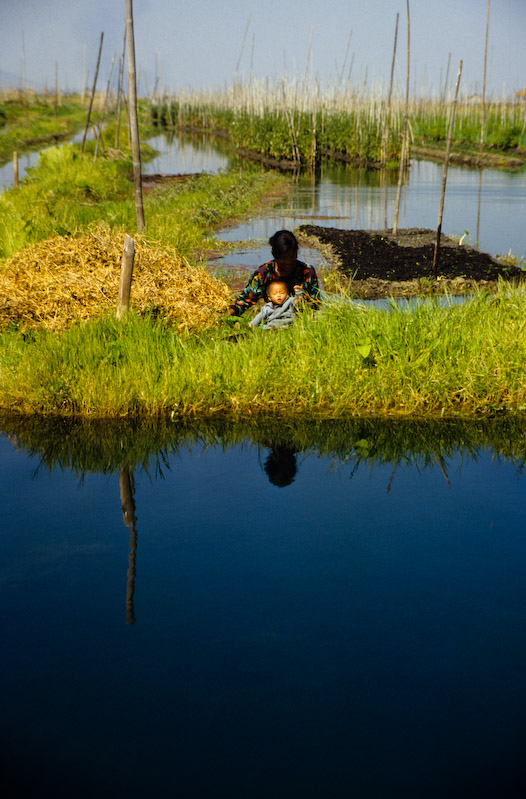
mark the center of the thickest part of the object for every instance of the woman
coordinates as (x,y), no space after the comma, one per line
(285,266)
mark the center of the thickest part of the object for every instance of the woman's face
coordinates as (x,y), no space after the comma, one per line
(286,264)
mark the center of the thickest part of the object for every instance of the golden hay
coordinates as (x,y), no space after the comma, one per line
(60,280)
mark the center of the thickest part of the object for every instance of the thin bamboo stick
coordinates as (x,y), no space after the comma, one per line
(403,155)
(92,94)
(444,175)
(483,108)
(119,91)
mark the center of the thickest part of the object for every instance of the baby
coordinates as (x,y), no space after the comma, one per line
(279,310)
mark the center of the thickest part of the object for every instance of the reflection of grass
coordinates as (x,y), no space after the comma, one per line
(107,446)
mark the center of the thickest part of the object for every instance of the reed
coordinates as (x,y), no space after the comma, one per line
(286,120)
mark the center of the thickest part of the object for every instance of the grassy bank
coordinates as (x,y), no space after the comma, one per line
(288,122)
(68,191)
(428,361)
(28,123)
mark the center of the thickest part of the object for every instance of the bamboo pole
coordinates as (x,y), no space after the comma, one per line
(128,256)
(385,139)
(483,109)
(134,122)
(444,175)
(15,168)
(56,89)
(241,51)
(103,112)
(119,92)
(403,154)
(92,94)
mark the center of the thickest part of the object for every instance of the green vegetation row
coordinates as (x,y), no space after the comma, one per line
(423,361)
(30,122)
(67,191)
(365,131)
(292,135)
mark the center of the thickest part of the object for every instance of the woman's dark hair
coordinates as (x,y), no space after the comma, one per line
(283,242)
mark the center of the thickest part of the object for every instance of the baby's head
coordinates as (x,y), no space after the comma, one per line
(277,292)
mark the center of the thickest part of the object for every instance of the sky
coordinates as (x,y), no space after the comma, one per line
(204,44)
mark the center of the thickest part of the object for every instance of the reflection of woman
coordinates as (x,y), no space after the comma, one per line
(280,466)
(285,267)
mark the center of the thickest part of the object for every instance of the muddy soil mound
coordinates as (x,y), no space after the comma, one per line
(407,257)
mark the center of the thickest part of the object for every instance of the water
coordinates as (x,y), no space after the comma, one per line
(29,159)
(309,620)
(355,198)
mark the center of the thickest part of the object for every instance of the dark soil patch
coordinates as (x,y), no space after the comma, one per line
(381,264)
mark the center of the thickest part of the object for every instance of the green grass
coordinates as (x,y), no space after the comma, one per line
(429,361)
(360,129)
(27,124)
(67,191)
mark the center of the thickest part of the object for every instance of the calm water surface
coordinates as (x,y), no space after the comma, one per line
(488,205)
(305,624)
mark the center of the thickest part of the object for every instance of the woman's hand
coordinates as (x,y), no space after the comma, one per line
(300,295)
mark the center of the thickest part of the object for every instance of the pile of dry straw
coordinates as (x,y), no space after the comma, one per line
(61,280)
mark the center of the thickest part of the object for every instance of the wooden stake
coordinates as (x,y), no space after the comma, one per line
(483,109)
(385,140)
(92,95)
(103,112)
(134,122)
(128,257)
(444,176)
(119,92)
(15,168)
(404,156)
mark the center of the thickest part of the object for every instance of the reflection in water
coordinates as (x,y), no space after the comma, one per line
(126,486)
(280,465)
(278,652)
(122,446)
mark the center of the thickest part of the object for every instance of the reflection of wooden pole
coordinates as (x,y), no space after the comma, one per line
(15,168)
(444,176)
(126,486)
(128,256)
(479,194)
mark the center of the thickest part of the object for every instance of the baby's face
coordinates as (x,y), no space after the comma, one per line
(277,293)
